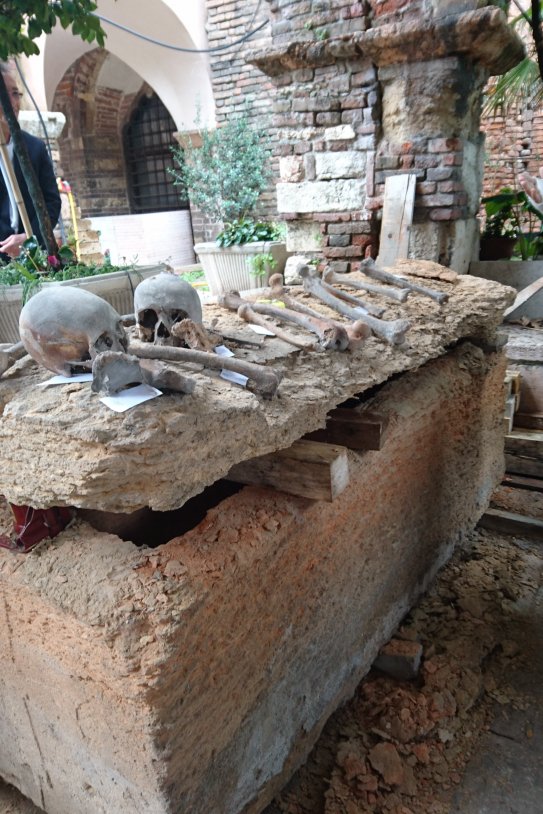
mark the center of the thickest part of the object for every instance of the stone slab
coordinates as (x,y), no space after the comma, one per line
(64,447)
(196,676)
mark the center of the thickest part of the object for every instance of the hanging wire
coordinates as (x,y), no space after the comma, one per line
(252,31)
(171,47)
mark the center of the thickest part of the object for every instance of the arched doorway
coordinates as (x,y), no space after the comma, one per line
(114,152)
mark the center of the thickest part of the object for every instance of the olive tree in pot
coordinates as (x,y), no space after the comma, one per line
(224,179)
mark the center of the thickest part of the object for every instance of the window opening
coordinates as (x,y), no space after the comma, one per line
(148,137)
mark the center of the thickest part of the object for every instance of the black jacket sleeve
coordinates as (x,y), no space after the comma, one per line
(48,184)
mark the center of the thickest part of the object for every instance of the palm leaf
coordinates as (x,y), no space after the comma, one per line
(520,87)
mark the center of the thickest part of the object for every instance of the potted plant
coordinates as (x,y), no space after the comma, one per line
(22,277)
(224,179)
(512,225)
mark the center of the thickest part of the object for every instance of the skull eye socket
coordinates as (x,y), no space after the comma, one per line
(104,342)
(148,318)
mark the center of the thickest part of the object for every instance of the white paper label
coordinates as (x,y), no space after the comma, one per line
(130,398)
(236,378)
(79,377)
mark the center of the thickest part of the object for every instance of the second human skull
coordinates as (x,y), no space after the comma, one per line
(160,302)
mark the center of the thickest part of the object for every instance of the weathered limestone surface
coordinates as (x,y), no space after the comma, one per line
(63,447)
(193,678)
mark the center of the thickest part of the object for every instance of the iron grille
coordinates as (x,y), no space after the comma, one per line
(148,137)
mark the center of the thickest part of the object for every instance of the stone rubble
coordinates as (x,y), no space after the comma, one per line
(400,747)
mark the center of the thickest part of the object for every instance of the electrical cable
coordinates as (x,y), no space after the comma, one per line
(144,37)
(171,47)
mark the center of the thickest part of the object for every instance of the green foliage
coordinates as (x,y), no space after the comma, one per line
(227,174)
(521,86)
(510,214)
(34,266)
(23,21)
(322,34)
(261,264)
(246,230)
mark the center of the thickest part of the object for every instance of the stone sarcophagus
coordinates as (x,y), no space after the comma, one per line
(191,673)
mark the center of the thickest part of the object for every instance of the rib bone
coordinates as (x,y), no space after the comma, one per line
(332,336)
(266,379)
(368,267)
(393,331)
(397,294)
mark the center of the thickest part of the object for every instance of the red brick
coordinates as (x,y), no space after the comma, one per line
(444,145)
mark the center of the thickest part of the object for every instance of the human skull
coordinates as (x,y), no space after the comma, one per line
(64,326)
(160,302)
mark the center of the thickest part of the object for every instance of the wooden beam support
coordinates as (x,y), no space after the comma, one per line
(531,421)
(528,443)
(517,465)
(523,296)
(523,482)
(307,468)
(352,427)
(511,523)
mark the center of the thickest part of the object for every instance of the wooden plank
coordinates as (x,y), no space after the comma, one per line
(509,414)
(513,379)
(398,203)
(511,523)
(523,482)
(528,443)
(352,428)
(531,389)
(307,468)
(523,296)
(517,465)
(532,421)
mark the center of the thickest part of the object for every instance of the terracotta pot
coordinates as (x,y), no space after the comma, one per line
(496,248)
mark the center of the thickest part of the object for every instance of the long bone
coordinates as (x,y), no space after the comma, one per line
(331,336)
(397,294)
(393,331)
(365,307)
(266,379)
(368,267)
(246,313)
(356,332)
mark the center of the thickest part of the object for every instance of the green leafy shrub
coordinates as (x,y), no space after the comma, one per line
(34,266)
(509,214)
(225,178)
(261,264)
(246,230)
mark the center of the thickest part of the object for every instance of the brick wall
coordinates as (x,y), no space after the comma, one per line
(91,145)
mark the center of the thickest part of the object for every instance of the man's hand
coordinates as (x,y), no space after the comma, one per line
(12,245)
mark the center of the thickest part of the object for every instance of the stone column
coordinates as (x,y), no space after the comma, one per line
(376,89)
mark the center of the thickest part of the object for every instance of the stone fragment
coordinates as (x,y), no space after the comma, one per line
(291,275)
(321,196)
(400,659)
(347,164)
(385,759)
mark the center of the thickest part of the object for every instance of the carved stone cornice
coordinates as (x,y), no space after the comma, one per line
(483,36)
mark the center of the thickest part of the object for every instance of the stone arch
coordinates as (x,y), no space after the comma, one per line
(182,80)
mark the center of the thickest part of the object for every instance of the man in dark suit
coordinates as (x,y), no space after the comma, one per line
(12,235)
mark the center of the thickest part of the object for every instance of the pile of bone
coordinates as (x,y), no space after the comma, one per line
(68,330)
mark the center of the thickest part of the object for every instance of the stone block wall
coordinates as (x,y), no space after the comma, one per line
(370,89)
